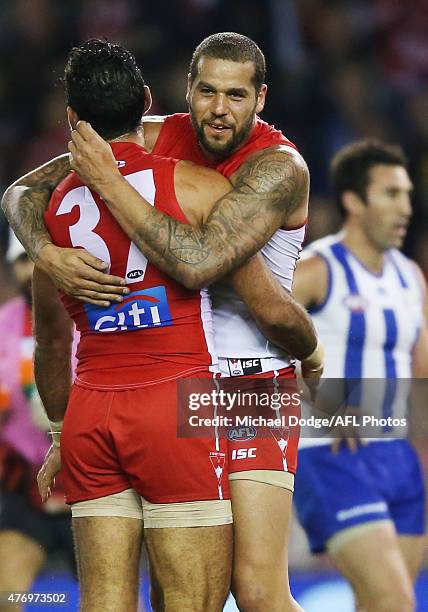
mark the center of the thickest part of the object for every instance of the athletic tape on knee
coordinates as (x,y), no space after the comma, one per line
(126,504)
(285,480)
(187,514)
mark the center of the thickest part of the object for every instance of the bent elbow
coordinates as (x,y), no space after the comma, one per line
(195,280)
(270,319)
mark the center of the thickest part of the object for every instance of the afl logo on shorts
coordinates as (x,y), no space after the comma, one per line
(241,434)
(355,303)
(135,274)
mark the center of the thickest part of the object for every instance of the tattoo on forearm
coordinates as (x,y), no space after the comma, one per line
(267,189)
(185,243)
(25,202)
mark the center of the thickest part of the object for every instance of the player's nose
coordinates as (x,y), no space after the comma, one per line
(406,206)
(219,105)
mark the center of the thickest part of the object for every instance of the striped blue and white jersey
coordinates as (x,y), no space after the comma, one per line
(369,325)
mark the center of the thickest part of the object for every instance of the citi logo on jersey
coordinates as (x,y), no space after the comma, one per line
(139,310)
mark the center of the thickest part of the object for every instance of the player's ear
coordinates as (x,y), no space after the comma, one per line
(72,117)
(352,203)
(261,98)
(147,99)
(189,86)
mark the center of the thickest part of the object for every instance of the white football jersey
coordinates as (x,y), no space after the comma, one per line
(369,325)
(236,335)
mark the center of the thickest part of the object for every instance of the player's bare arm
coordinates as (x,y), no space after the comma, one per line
(26,200)
(310,282)
(53,332)
(76,272)
(310,288)
(270,190)
(281,319)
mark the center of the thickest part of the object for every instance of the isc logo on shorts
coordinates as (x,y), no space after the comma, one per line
(244,453)
(244,367)
(139,310)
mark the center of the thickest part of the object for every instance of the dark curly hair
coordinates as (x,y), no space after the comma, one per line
(105,87)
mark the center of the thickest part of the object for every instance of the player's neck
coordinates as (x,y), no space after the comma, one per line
(136,136)
(357,242)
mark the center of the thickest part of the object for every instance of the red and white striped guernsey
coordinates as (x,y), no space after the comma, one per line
(161,330)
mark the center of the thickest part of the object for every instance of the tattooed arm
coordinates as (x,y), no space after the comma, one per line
(281,319)
(25,201)
(74,271)
(270,189)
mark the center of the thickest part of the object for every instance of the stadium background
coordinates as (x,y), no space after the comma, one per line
(337,70)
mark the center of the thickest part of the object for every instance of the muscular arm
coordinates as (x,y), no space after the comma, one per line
(76,272)
(268,189)
(53,332)
(310,284)
(278,316)
(25,201)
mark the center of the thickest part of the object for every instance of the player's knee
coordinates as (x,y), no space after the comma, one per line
(19,568)
(254,594)
(398,598)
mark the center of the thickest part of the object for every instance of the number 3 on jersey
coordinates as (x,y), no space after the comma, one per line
(82,232)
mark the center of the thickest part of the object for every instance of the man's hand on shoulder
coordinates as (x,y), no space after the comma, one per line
(81,275)
(91,157)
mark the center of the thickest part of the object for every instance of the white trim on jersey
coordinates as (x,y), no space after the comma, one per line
(208,327)
(236,333)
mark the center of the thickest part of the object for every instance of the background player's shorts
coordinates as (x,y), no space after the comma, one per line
(382,480)
(267,448)
(117,440)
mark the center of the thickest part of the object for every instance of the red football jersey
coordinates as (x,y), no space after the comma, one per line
(161,330)
(177,139)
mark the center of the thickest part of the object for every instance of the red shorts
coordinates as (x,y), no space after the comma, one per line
(116,440)
(263,447)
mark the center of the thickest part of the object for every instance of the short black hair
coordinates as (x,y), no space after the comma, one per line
(349,168)
(105,87)
(234,47)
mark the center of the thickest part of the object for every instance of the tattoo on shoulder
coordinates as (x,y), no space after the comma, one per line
(267,189)
(279,176)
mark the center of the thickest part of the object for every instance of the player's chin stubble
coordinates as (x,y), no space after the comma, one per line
(222,151)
